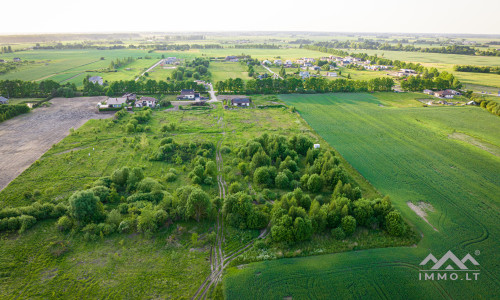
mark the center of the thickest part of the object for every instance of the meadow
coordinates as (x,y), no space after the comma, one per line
(412,154)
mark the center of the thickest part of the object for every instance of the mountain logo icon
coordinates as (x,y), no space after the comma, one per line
(448,259)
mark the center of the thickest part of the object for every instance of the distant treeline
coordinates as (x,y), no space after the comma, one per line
(490,105)
(295,85)
(33,38)
(256,46)
(10,111)
(453,49)
(477,69)
(31,89)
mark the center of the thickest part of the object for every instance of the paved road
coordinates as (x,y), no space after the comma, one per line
(151,68)
(27,137)
(271,71)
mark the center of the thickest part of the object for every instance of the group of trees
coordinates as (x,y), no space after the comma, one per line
(118,63)
(6,49)
(451,49)
(477,69)
(296,85)
(174,152)
(445,80)
(35,89)
(490,105)
(118,88)
(10,111)
(22,218)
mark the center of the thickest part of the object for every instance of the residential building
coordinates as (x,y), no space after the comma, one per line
(241,102)
(455,93)
(130,96)
(308,64)
(115,102)
(444,94)
(278,62)
(304,74)
(232,58)
(4,100)
(2,61)
(96,79)
(188,95)
(331,74)
(146,102)
(266,62)
(288,64)
(429,92)
(316,68)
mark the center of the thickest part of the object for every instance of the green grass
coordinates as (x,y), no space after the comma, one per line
(224,70)
(404,152)
(261,54)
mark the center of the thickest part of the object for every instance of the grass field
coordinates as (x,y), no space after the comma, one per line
(412,154)
(224,70)
(261,54)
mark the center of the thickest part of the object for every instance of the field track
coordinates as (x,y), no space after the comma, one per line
(27,137)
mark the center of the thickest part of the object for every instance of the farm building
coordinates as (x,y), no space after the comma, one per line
(241,102)
(232,58)
(429,92)
(288,64)
(317,146)
(444,94)
(146,102)
(170,60)
(96,79)
(4,100)
(331,74)
(453,92)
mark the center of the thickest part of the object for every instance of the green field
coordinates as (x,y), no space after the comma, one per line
(431,154)
(224,70)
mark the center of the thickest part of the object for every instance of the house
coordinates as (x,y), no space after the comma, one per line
(115,102)
(455,93)
(472,102)
(308,64)
(146,102)
(170,60)
(345,62)
(288,64)
(309,60)
(17,59)
(266,62)
(4,100)
(331,74)
(2,61)
(130,96)
(232,58)
(429,92)
(188,95)
(304,74)
(299,61)
(96,79)
(444,94)
(241,102)
(278,62)
(316,146)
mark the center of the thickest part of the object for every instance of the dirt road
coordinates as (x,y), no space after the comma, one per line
(26,138)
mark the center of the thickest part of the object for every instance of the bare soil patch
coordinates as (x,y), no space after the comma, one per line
(25,138)
(420,209)
(476,142)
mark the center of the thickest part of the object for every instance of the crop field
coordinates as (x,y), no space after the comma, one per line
(261,54)
(442,156)
(60,65)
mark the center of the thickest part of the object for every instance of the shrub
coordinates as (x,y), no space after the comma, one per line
(170,177)
(394,224)
(101,192)
(338,233)
(26,222)
(348,225)
(64,223)
(85,207)
(315,183)
(126,226)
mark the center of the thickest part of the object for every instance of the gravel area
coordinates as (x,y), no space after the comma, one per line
(25,138)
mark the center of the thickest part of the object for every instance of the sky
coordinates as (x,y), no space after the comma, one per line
(422,16)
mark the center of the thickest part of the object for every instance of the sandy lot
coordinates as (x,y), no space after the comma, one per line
(26,138)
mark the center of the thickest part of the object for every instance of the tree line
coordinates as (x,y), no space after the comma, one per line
(34,89)
(296,85)
(443,81)
(477,69)
(10,111)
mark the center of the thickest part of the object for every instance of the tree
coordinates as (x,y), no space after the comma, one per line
(302,229)
(348,225)
(198,204)
(394,224)
(282,181)
(85,207)
(315,183)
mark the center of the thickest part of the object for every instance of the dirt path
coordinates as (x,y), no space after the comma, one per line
(420,211)
(27,137)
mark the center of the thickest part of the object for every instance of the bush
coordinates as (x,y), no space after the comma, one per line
(114,217)
(126,226)
(64,223)
(338,233)
(348,225)
(170,177)
(101,192)
(85,207)
(394,224)
(26,222)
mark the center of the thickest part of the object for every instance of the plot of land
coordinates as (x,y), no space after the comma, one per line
(25,138)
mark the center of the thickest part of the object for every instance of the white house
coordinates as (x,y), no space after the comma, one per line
(266,62)
(96,79)
(304,74)
(288,63)
(278,62)
(444,94)
(146,102)
(429,92)
(331,74)
(114,102)
(188,95)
